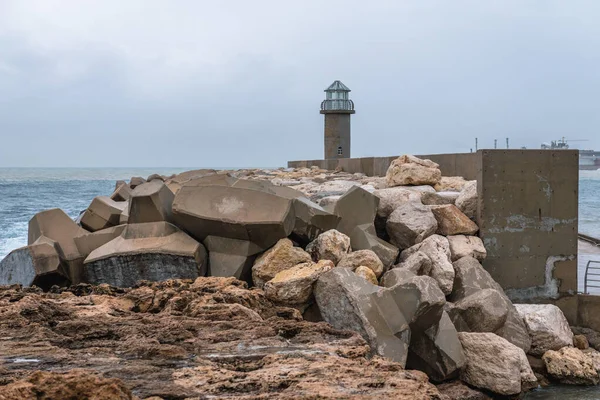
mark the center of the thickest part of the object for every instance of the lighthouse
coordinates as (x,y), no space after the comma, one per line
(337,108)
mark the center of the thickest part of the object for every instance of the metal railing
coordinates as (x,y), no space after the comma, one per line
(332,105)
(594,273)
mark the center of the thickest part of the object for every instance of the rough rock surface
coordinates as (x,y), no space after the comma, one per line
(456,390)
(452,221)
(483,311)
(392,198)
(591,335)
(102,213)
(463,246)
(366,258)
(177,339)
(418,263)
(547,327)
(331,245)
(451,183)
(410,170)
(438,250)
(581,342)
(280,257)
(494,364)
(366,273)
(439,198)
(570,366)
(467,200)
(294,286)
(409,224)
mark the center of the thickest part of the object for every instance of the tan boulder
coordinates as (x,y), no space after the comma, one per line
(102,213)
(463,246)
(294,286)
(467,200)
(366,258)
(366,273)
(410,170)
(331,245)
(451,183)
(547,327)
(436,247)
(278,258)
(452,221)
(581,342)
(571,366)
(150,202)
(439,198)
(392,198)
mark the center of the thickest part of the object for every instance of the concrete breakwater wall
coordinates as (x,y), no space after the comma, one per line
(527,214)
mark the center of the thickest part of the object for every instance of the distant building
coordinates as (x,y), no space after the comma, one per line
(337,108)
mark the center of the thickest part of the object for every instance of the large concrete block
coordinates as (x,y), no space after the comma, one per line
(122,192)
(102,213)
(356,207)
(153,251)
(232,212)
(230,257)
(38,264)
(363,237)
(89,242)
(150,202)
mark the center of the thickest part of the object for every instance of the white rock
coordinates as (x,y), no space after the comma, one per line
(409,224)
(467,200)
(410,170)
(438,250)
(462,246)
(331,245)
(547,327)
(392,198)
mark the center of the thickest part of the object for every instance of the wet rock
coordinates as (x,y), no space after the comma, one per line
(410,224)
(436,350)
(451,183)
(150,202)
(456,390)
(294,286)
(152,251)
(280,257)
(570,366)
(472,278)
(367,274)
(581,342)
(102,213)
(438,250)
(467,200)
(494,364)
(230,257)
(483,311)
(392,198)
(347,301)
(233,212)
(38,264)
(331,245)
(439,198)
(452,221)
(547,327)
(463,246)
(410,170)
(366,258)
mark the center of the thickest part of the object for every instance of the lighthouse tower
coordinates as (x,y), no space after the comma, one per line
(337,108)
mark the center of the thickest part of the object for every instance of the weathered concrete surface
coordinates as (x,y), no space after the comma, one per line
(230,257)
(150,202)
(152,251)
(102,213)
(89,242)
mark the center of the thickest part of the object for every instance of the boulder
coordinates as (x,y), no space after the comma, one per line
(547,326)
(438,250)
(410,170)
(581,342)
(418,263)
(122,192)
(456,390)
(467,200)
(463,246)
(421,301)
(355,207)
(230,257)
(483,311)
(366,273)
(570,366)
(472,278)
(409,224)
(363,237)
(150,202)
(349,302)
(366,258)
(396,276)
(331,245)
(452,221)
(233,212)
(88,242)
(439,198)
(102,213)
(311,219)
(392,198)
(136,181)
(451,183)
(294,286)
(280,257)
(494,364)
(37,264)
(436,350)
(55,225)
(153,251)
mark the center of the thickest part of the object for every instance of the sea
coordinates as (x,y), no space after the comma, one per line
(26,191)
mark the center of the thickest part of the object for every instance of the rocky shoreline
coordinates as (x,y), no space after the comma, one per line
(289,283)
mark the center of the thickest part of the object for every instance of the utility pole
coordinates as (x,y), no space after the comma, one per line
(507,143)
(495,143)
(476,148)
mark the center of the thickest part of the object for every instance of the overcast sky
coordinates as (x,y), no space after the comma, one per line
(239,83)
